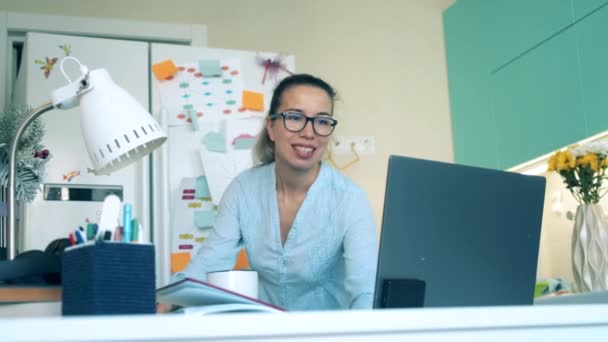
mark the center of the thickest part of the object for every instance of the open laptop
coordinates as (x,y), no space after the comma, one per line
(455,235)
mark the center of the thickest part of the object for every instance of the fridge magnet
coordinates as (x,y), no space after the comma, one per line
(47,65)
(272,67)
(67,49)
(71,175)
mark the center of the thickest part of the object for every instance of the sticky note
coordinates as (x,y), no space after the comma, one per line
(253,101)
(203,219)
(164,69)
(215,142)
(210,68)
(202,188)
(179,261)
(242,263)
(244,142)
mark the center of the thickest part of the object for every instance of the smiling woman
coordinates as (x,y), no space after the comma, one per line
(308,230)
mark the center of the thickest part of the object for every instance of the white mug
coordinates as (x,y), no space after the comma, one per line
(244,282)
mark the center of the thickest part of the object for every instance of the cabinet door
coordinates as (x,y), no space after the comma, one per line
(593,52)
(515,26)
(537,101)
(127,63)
(581,8)
(473,126)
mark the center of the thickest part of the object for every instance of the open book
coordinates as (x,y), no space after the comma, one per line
(208,298)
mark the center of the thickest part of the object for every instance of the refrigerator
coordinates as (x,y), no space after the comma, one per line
(210,102)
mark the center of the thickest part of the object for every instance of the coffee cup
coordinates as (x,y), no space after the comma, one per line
(243,282)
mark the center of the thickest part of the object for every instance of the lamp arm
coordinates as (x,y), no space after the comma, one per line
(12,173)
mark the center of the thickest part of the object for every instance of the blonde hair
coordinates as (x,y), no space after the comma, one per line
(263,151)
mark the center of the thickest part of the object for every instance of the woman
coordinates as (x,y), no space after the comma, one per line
(308,231)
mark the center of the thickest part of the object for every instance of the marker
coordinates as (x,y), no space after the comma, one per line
(126,211)
(72,239)
(80,236)
(90,232)
(135,227)
(141,236)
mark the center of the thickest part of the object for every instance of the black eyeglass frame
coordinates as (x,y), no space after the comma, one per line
(334,122)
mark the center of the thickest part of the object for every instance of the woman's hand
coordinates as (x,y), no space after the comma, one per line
(164,307)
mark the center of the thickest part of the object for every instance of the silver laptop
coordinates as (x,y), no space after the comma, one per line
(455,235)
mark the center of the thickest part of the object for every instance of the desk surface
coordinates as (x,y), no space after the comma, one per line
(22,294)
(524,323)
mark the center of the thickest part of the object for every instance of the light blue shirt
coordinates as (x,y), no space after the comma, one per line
(329,258)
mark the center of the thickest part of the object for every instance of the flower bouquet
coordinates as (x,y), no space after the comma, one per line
(583,170)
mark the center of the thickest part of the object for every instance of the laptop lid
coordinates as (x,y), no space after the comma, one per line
(455,235)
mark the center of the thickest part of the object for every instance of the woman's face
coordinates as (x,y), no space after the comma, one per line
(301,150)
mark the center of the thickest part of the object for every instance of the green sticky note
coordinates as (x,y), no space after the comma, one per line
(192,115)
(201,188)
(204,219)
(215,142)
(210,68)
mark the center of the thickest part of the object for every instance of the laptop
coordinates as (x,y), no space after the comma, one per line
(455,235)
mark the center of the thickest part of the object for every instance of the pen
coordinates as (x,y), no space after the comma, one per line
(126,215)
(72,239)
(135,228)
(80,236)
(90,232)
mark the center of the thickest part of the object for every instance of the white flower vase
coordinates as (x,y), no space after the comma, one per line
(590,248)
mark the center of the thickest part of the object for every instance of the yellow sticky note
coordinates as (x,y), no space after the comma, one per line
(164,69)
(253,100)
(179,261)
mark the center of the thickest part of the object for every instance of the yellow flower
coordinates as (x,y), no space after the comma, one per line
(570,160)
(564,161)
(584,175)
(591,160)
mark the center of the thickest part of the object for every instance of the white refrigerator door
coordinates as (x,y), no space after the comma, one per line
(127,64)
(180,157)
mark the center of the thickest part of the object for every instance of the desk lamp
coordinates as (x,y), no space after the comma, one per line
(116,129)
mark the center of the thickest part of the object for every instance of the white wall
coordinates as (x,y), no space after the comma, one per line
(386,58)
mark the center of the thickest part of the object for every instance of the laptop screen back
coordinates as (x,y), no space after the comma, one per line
(455,235)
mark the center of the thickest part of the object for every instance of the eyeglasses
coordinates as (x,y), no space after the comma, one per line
(295,122)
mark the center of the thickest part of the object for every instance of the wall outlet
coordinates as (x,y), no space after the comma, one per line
(342,145)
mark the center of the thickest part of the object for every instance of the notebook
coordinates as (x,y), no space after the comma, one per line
(190,292)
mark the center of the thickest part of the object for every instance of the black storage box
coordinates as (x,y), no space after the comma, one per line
(106,278)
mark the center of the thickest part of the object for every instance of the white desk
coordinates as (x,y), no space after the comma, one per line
(531,323)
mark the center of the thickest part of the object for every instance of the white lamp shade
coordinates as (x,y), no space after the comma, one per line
(117,130)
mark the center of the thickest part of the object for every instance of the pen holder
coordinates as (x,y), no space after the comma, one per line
(106,278)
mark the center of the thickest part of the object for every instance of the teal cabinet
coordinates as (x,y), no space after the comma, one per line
(473,129)
(593,51)
(537,102)
(581,8)
(525,77)
(516,26)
